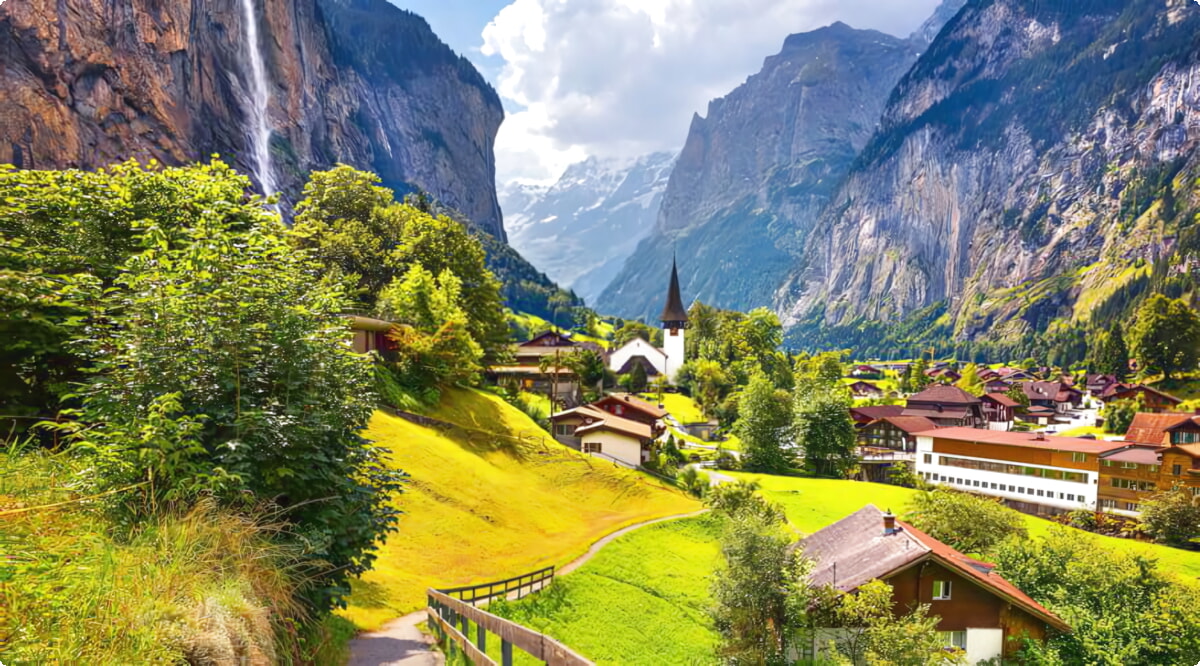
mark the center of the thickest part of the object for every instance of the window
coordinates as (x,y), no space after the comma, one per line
(1177,470)
(563,430)
(1153,469)
(928,458)
(993,486)
(941,590)
(954,639)
(976,484)
(1109,463)
(1108,504)
(592,447)
(1021,491)
(1129,465)
(1041,493)
(1131,506)
(1078,457)
(1196,491)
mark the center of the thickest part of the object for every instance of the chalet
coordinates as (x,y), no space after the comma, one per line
(550,338)
(988,374)
(867,372)
(1163,430)
(1038,415)
(1128,476)
(947,406)
(997,386)
(1098,384)
(702,430)
(978,611)
(862,389)
(1015,375)
(1029,471)
(893,433)
(556,380)
(605,435)
(1055,396)
(1152,400)
(944,375)
(865,415)
(633,408)
(370,335)
(999,410)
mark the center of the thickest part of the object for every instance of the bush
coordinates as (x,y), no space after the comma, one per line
(1172,517)
(968,523)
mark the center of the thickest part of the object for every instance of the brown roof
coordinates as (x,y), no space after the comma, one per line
(1142,455)
(358,323)
(630,400)
(876,413)
(855,550)
(1001,399)
(1055,391)
(674,310)
(936,413)
(548,335)
(618,425)
(1117,390)
(1152,428)
(1027,440)
(911,424)
(945,395)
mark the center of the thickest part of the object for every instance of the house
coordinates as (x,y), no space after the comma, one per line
(1128,476)
(370,335)
(551,338)
(702,430)
(1055,396)
(604,435)
(559,381)
(1163,430)
(633,408)
(944,375)
(1015,375)
(864,415)
(997,386)
(654,361)
(894,433)
(1038,415)
(862,389)
(978,611)
(867,372)
(1029,471)
(1098,384)
(947,406)
(1152,399)
(999,410)
(988,374)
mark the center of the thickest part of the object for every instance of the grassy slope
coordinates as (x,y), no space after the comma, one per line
(487,509)
(814,503)
(642,600)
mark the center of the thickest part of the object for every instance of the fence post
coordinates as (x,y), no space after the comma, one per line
(481,638)
(505,653)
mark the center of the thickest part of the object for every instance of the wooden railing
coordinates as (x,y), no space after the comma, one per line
(452,620)
(521,585)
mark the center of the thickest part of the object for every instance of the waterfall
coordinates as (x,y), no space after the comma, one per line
(256,99)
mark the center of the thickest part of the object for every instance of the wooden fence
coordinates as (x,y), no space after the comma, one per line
(521,585)
(452,621)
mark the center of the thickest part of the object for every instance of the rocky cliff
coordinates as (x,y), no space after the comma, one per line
(757,169)
(1036,159)
(84,83)
(582,229)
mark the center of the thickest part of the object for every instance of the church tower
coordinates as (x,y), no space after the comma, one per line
(674,320)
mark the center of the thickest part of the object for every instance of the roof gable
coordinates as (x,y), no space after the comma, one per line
(632,402)
(1152,428)
(945,395)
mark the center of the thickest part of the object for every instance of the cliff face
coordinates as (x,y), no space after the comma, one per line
(1022,172)
(756,171)
(84,83)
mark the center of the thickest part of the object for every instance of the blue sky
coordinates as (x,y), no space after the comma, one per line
(623,78)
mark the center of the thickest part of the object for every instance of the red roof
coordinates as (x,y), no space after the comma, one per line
(1152,428)
(633,402)
(875,413)
(1118,391)
(1027,440)
(945,395)
(855,550)
(1142,455)
(911,424)
(602,420)
(1001,399)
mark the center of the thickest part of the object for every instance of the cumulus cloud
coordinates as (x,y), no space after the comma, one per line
(623,77)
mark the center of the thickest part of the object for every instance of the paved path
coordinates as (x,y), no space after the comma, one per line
(401,642)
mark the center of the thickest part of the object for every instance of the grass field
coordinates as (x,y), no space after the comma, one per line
(811,504)
(481,508)
(683,408)
(642,600)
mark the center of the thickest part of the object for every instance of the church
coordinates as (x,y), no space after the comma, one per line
(658,362)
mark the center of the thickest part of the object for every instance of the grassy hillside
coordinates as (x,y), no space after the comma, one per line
(480,508)
(642,600)
(814,503)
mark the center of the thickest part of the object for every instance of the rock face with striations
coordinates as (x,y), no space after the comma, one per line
(755,172)
(1022,173)
(84,83)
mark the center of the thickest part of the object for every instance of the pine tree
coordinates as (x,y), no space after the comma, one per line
(1116,354)
(764,416)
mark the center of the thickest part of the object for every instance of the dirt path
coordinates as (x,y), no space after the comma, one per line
(401,642)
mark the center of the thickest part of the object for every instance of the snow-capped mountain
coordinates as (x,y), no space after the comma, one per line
(581,230)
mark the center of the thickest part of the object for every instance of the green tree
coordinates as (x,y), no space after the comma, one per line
(1166,337)
(823,430)
(1172,517)
(969,523)
(1017,395)
(918,380)
(1112,354)
(970,381)
(1119,414)
(764,417)
(588,365)
(631,330)
(246,335)
(708,381)
(638,379)
(876,635)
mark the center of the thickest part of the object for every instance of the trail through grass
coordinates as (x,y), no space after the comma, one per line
(643,599)
(481,508)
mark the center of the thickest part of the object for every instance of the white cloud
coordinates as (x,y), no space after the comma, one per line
(623,77)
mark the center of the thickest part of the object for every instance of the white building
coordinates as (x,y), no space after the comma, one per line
(668,360)
(1030,471)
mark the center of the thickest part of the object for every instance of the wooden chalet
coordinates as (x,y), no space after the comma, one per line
(864,415)
(1152,399)
(604,435)
(862,389)
(1055,396)
(866,371)
(944,375)
(999,409)
(633,408)
(978,611)
(1097,384)
(893,433)
(947,406)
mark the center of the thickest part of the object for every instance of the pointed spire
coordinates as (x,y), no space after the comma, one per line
(674,311)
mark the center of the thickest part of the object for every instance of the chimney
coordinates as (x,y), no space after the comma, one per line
(1039,436)
(889,523)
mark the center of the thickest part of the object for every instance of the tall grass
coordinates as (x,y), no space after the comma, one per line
(204,586)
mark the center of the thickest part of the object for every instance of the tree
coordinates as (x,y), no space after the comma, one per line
(708,381)
(970,381)
(631,330)
(1112,354)
(1119,415)
(638,379)
(765,414)
(588,366)
(1172,517)
(1017,394)
(823,430)
(876,635)
(222,347)
(1166,337)
(968,523)
(918,380)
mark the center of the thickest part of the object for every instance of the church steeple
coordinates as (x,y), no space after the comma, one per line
(674,315)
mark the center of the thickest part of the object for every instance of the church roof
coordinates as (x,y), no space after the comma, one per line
(674,310)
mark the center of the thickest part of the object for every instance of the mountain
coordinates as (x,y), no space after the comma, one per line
(941,16)
(1033,171)
(756,171)
(279,87)
(582,229)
